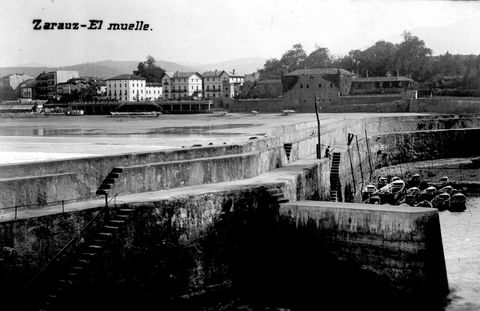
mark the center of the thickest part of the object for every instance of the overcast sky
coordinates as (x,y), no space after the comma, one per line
(189,31)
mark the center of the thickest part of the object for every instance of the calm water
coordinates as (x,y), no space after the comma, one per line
(461,244)
(154,132)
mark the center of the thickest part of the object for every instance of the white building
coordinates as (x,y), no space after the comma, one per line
(167,84)
(212,83)
(126,87)
(186,85)
(231,83)
(219,84)
(153,91)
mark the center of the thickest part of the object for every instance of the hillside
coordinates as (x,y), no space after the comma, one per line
(110,68)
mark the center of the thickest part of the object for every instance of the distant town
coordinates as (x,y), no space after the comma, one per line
(382,73)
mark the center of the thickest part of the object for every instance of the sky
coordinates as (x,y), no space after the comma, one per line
(199,32)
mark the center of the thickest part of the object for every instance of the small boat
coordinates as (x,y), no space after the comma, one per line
(395,178)
(447,189)
(408,199)
(428,194)
(414,181)
(424,203)
(368,191)
(413,191)
(391,192)
(382,182)
(458,202)
(374,199)
(441,201)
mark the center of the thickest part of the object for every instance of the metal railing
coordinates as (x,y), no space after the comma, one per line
(76,237)
(60,203)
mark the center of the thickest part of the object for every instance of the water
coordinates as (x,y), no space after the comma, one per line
(154,132)
(461,244)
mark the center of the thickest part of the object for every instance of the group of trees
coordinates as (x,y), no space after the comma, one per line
(411,58)
(149,70)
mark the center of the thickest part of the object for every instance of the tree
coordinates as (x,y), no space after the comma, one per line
(149,70)
(294,58)
(273,69)
(412,57)
(319,58)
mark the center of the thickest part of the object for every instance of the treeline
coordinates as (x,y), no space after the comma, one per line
(411,58)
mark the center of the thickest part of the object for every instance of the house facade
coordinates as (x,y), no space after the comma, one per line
(212,83)
(126,87)
(381,85)
(186,85)
(46,87)
(301,87)
(153,91)
(167,85)
(231,83)
(27,89)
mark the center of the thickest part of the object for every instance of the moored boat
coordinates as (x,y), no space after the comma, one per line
(368,191)
(424,203)
(458,202)
(441,201)
(428,194)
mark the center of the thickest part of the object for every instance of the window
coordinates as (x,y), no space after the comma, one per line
(213,94)
(301,86)
(307,86)
(331,84)
(208,79)
(319,85)
(125,85)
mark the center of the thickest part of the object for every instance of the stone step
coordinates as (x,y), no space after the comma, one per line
(121,217)
(109,180)
(110,228)
(126,210)
(112,175)
(117,170)
(283,200)
(115,222)
(95,246)
(105,186)
(102,192)
(105,234)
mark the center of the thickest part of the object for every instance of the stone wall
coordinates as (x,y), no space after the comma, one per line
(457,105)
(384,255)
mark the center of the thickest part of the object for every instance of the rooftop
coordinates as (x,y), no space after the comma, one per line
(318,71)
(185,74)
(127,77)
(382,79)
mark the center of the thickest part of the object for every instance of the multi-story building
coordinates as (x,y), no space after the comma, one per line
(27,89)
(186,85)
(126,87)
(14,80)
(153,90)
(219,84)
(46,86)
(167,85)
(301,87)
(212,83)
(231,84)
(75,85)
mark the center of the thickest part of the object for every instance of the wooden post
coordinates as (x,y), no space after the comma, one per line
(359,159)
(369,154)
(319,146)
(351,168)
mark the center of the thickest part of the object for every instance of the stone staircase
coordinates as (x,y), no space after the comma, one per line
(277,195)
(288,150)
(108,182)
(79,267)
(334,176)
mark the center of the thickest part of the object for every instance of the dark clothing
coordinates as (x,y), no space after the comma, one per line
(327,153)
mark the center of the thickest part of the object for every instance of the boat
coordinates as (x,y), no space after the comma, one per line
(447,189)
(391,192)
(424,203)
(441,201)
(395,178)
(382,182)
(458,202)
(428,194)
(367,191)
(414,181)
